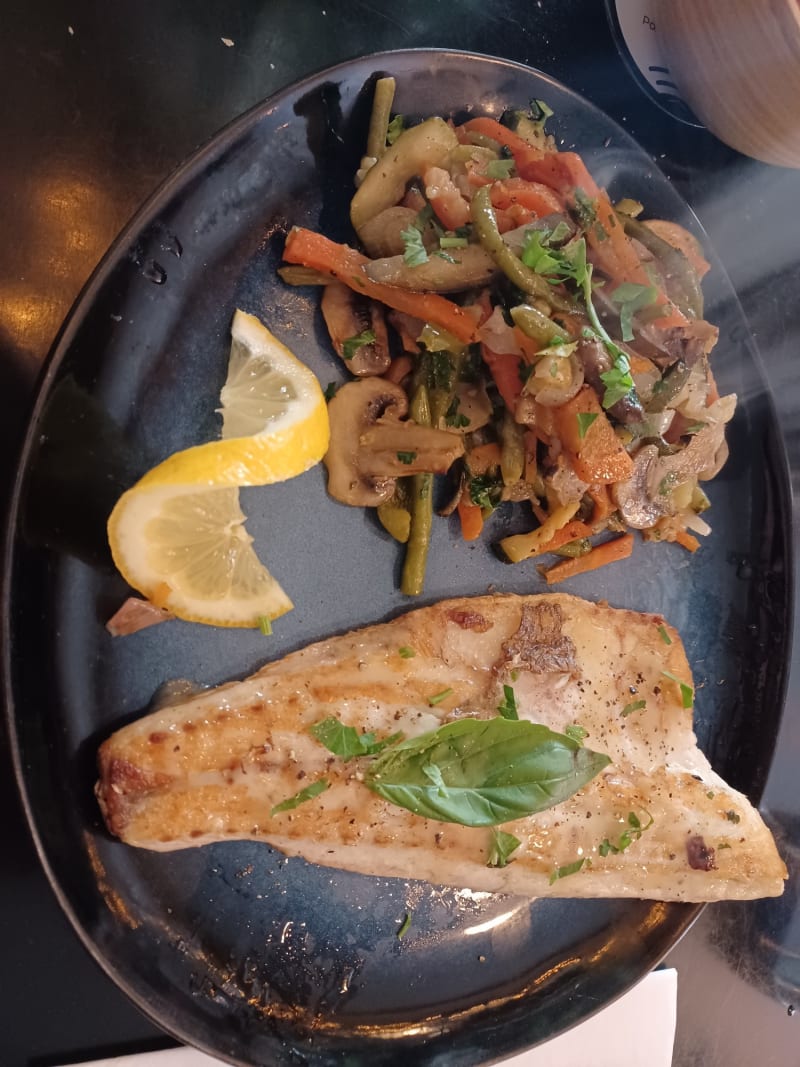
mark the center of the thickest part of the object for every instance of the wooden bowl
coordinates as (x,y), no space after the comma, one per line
(737,63)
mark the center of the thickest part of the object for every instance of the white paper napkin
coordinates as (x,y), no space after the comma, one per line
(638,1030)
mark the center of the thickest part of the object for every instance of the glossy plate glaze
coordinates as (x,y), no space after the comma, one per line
(233,948)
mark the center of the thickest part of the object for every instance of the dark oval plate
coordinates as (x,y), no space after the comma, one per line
(233,948)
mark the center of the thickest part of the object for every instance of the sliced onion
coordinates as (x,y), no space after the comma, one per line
(558,393)
(498,336)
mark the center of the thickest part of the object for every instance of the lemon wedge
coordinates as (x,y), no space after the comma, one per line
(178,534)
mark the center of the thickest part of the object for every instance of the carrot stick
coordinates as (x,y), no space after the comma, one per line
(504,368)
(345,264)
(687,540)
(609,552)
(597,454)
(471,518)
(571,532)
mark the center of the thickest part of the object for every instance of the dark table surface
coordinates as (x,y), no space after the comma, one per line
(99,103)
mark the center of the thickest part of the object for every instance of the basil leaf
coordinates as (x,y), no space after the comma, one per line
(308,793)
(501,848)
(483,772)
(346,741)
(352,344)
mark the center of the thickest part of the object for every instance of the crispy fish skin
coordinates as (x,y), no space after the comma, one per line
(212,767)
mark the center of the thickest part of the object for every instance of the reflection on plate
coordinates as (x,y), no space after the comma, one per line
(233,948)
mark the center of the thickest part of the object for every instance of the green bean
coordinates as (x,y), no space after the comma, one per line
(379,120)
(512,450)
(416,560)
(680,277)
(537,325)
(512,266)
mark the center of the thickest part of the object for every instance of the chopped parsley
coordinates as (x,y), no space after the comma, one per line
(485,491)
(508,707)
(346,741)
(330,390)
(662,630)
(576,732)
(585,209)
(265,625)
(415,253)
(407,457)
(500,168)
(687,693)
(635,705)
(308,793)
(352,344)
(502,846)
(570,868)
(437,698)
(406,652)
(632,298)
(585,420)
(405,925)
(454,417)
(732,816)
(627,837)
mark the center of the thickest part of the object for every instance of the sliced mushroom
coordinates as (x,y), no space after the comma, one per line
(347,316)
(636,504)
(371,447)
(382,236)
(472,403)
(645,497)
(462,268)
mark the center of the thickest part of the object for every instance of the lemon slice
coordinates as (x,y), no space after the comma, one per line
(178,535)
(188,551)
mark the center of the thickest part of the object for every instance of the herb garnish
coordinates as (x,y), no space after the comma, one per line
(406,457)
(308,793)
(406,652)
(635,705)
(664,635)
(330,390)
(454,417)
(632,298)
(265,625)
(733,817)
(502,846)
(627,837)
(483,772)
(687,693)
(346,741)
(576,732)
(585,209)
(485,490)
(352,344)
(499,168)
(508,707)
(570,868)
(585,420)
(404,926)
(437,698)
(415,253)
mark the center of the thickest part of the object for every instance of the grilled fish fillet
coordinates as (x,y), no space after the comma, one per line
(212,767)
